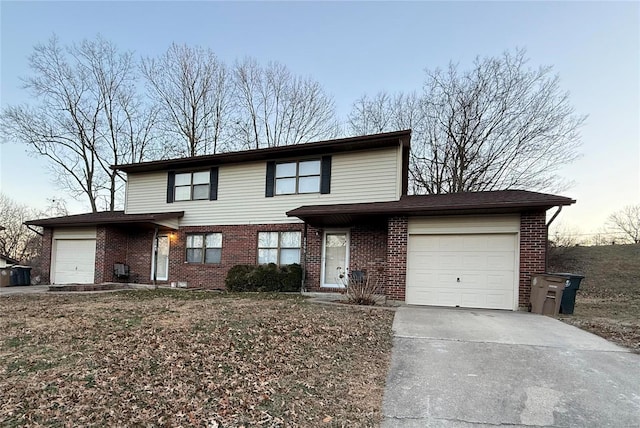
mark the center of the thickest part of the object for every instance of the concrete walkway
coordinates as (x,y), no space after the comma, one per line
(23,289)
(464,368)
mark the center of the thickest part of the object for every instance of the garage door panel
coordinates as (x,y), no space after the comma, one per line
(447,261)
(74,261)
(499,261)
(483,263)
(474,261)
(445,296)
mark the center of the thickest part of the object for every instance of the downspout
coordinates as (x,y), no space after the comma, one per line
(303,287)
(155,257)
(546,253)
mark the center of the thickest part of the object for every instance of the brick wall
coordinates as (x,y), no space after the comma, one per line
(45,257)
(111,247)
(313,260)
(396,258)
(533,250)
(239,246)
(139,248)
(367,251)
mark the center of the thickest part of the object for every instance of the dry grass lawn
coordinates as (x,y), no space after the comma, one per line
(176,358)
(608,302)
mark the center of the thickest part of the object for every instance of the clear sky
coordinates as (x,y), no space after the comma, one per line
(362,47)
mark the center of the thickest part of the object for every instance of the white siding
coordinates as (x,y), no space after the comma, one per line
(464,224)
(370,176)
(75,233)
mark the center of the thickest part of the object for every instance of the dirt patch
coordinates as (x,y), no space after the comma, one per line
(171,358)
(608,302)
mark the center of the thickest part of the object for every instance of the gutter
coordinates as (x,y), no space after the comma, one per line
(33,230)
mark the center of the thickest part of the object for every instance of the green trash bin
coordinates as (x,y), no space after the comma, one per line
(568,303)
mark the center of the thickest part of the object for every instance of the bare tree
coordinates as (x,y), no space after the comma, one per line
(275,108)
(194,90)
(16,240)
(499,125)
(626,222)
(87,117)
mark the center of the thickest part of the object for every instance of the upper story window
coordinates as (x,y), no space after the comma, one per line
(204,248)
(191,186)
(281,248)
(298,177)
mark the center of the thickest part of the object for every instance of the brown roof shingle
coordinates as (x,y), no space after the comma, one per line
(387,139)
(494,202)
(104,217)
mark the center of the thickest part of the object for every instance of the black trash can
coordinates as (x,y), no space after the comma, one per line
(26,275)
(16,277)
(568,302)
(20,275)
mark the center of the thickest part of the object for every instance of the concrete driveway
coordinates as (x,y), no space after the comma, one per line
(463,368)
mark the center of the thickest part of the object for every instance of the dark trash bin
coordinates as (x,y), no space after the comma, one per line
(16,277)
(568,302)
(20,275)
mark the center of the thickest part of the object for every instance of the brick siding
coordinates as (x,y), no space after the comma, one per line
(378,248)
(533,251)
(397,258)
(367,251)
(111,247)
(45,257)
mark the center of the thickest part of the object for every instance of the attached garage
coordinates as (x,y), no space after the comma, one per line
(463,261)
(73,256)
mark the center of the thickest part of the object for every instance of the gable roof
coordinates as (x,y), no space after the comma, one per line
(493,202)
(365,142)
(104,217)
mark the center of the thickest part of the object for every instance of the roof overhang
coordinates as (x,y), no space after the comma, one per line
(10,260)
(472,203)
(366,142)
(117,218)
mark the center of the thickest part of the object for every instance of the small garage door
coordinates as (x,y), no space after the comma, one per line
(74,261)
(466,270)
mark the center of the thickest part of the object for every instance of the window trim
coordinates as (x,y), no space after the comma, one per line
(278,248)
(297,176)
(203,248)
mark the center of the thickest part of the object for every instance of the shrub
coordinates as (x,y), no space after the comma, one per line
(291,277)
(264,278)
(237,277)
(360,286)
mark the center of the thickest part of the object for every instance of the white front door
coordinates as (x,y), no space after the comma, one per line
(335,257)
(162,273)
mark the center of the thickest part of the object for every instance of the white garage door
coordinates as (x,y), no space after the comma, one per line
(74,261)
(466,270)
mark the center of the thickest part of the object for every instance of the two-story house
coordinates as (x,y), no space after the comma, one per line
(326,205)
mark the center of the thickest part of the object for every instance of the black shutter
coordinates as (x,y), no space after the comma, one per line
(213,183)
(325,175)
(171,182)
(271,179)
